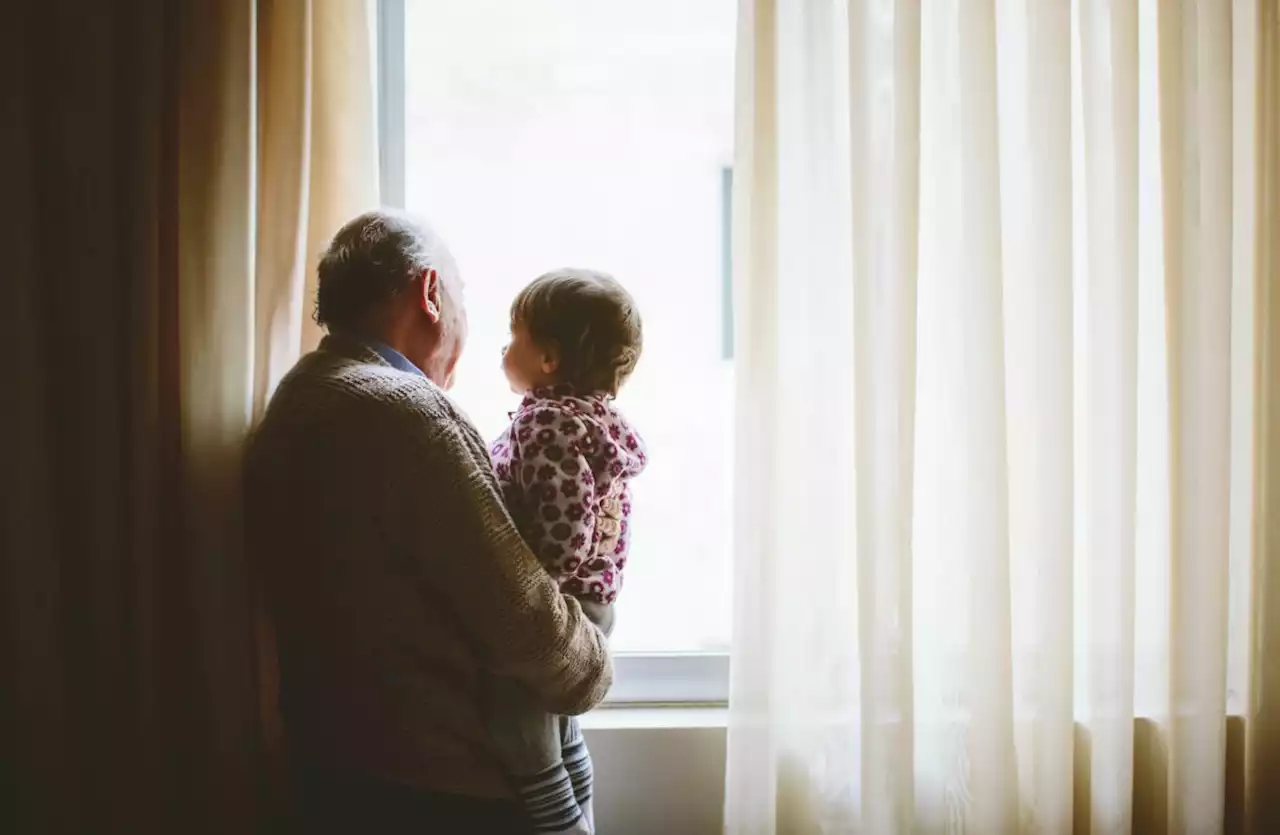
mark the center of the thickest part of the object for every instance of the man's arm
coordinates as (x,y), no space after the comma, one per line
(509,607)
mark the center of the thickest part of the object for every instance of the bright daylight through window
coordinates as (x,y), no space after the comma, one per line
(594,133)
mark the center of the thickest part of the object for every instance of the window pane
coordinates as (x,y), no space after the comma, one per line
(597,133)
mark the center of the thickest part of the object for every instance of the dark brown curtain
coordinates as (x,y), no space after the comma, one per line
(129,694)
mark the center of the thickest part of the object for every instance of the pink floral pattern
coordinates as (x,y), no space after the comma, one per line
(561,457)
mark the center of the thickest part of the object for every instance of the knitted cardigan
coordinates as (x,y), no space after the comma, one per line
(396,579)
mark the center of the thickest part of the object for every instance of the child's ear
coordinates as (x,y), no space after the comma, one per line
(551,359)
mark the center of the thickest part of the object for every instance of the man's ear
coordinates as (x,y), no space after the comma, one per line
(430,294)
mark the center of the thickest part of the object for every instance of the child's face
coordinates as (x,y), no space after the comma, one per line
(526,363)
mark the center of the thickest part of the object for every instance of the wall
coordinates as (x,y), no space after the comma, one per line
(667,780)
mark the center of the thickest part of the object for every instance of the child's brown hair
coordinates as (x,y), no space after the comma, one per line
(590,320)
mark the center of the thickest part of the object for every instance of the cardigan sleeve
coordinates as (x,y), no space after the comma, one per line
(477,563)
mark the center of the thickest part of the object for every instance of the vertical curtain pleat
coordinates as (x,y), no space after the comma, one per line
(884,70)
(1109,62)
(216,188)
(344,138)
(1040,367)
(1195,91)
(991,786)
(34,696)
(283,143)
(1263,768)
(751,763)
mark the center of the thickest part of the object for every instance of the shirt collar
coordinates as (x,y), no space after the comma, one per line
(393,357)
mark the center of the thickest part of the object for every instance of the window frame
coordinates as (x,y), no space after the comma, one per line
(640,678)
(673,678)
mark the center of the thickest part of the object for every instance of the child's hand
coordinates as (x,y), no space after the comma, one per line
(609,524)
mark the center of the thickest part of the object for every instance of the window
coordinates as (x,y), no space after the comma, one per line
(594,133)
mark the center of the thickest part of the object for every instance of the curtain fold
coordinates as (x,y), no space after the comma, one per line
(1040,374)
(316,162)
(751,769)
(344,120)
(1109,56)
(884,72)
(994,323)
(285,53)
(213,343)
(171,183)
(990,792)
(1196,100)
(1263,711)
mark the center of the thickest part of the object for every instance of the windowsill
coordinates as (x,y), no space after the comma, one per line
(655,717)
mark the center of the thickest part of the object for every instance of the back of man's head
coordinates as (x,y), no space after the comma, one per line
(371,260)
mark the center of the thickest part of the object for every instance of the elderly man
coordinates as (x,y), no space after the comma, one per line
(396,579)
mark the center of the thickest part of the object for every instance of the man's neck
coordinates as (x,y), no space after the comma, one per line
(392,347)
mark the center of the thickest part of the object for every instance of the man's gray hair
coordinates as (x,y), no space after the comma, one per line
(369,261)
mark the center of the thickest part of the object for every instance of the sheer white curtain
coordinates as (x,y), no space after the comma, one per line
(995,516)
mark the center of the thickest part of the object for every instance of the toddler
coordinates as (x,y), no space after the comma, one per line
(564,466)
